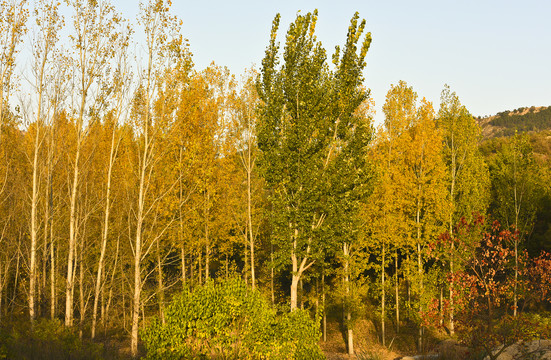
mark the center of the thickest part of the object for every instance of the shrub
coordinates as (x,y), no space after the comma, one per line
(227,319)
(49,339)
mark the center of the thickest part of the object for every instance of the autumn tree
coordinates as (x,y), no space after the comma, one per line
(418,175)
(515,185)
(48,22)
(384,213)
(116,113)
(246,104)
(468,178)
(488,277)
(95,25)
(161,40)
(13,20)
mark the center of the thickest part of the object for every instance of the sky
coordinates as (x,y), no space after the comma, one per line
(496,55)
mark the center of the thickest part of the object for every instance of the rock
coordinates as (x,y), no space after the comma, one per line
(535,349)
(453,350)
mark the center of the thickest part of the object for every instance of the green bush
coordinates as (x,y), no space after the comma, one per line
(49,339)
(228,320)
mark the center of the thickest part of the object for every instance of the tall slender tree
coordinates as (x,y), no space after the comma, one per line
(468,177)
(48,22)
(121,82)
(13,26)
(95,25)
(515,190)
(385,211)
(301,124)
(162,39)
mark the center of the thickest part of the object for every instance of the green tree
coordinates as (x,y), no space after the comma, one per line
(304,117)
(468,178)
(516,192)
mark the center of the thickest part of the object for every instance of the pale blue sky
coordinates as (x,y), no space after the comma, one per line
(495,54)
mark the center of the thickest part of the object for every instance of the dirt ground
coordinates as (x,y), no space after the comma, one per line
(366,346)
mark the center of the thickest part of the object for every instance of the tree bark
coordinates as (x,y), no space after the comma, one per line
(349,331)
(383,294)
(160,285)
(324,328)
(136,299)
(397,295)
(105,233)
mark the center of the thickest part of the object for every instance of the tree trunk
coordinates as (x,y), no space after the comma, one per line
(105,232)
(324,328)
(3,277)
(452,301)
(250,220)
(53,297)
(136,299)
(183,259)
(349,333)
(207,240)
(383,294)
(419,267)
(200,266)
(452,252)
(294,290)
(111,284)
(81,307)
(297,271)
(441,305)
(72,242)
(515,300)
(397,295)
(272,273)
(34,224)
(181,219)
(160,285)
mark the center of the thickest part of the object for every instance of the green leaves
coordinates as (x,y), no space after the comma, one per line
(311,138)
(227,319)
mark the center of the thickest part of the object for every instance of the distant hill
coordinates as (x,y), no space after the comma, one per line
(522,120)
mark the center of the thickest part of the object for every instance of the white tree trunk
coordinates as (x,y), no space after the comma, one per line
(104,234)
(349,331)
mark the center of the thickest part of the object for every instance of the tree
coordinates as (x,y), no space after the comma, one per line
(385,216)
(515,179)
(49,22)
(302,121)
(468,185)
(246,105)
(423,185)
(95,24)
(120,89)
(162,39)
(488,276)
(13,19)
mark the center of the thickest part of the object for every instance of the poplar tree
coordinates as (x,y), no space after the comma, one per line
(468,177)
(162,39)
(95,25)
(305,115)
(48,22)
(386,223)
(426,208)
(13,20)
(515,179)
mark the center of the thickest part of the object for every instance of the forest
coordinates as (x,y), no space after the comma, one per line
(152,209)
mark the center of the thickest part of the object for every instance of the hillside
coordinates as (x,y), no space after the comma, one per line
(522,120)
